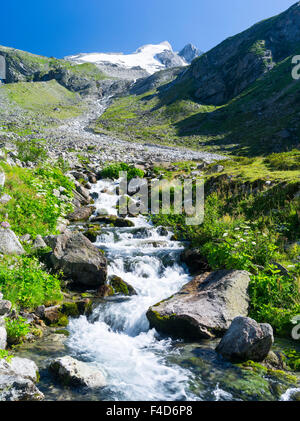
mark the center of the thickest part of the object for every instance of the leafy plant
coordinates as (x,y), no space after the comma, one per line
(113,171)
(24,282)
(5,355)
(17,329)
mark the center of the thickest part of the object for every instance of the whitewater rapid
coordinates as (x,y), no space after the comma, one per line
(117,337)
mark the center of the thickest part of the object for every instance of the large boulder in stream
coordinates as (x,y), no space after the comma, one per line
(71,372)
(78,258)
(203,308)
(81,214)
(246,340)
(17,380)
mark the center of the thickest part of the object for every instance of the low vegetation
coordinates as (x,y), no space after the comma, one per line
(113,171)
(24,282)
(253,226)
(35,205)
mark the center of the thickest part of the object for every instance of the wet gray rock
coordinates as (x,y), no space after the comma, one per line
(81,214)
(246,340)
(9,243)
(17,380)
(78,258)
(203,308)
(72,372)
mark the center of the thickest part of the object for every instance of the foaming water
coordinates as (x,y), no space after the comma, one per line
(117,336)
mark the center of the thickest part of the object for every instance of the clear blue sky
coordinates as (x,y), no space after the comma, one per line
(63,27)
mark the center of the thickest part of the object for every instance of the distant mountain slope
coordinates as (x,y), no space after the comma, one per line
(226,70)
(239,97)
(22,66)
(145,61)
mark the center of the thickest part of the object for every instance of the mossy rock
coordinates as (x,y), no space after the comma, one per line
(92,234)
(121,287)
(63,321)
(78,308)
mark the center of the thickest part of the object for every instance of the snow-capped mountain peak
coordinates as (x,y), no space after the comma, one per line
(146,60)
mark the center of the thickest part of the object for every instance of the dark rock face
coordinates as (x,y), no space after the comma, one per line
(169,59)
(203,308)
(246,340)
(152,82)
(195,261)
(228,69)
(189,53)
(78,258)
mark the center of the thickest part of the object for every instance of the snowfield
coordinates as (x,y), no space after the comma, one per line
(145,58)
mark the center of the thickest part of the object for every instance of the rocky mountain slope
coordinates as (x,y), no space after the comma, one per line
(226,98)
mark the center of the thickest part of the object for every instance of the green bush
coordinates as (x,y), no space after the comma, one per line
(275,299)
(17,329)
(24,282)
(5,355)
(31,150)
(112,171)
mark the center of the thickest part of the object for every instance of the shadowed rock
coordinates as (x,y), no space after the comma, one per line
(246,340)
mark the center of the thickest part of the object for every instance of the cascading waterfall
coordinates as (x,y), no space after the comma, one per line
(138,363)
(117,336)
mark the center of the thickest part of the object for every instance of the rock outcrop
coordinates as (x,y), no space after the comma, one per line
(78,258)
(246,340)
(203,308)
(17,380)
(71,372)
(189,53)
(9,243)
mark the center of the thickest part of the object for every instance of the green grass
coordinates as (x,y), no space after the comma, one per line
(34,209)
(47,98)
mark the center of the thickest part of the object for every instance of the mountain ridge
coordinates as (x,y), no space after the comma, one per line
(146,60)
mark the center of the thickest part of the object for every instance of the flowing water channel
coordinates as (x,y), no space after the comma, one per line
(138,363)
